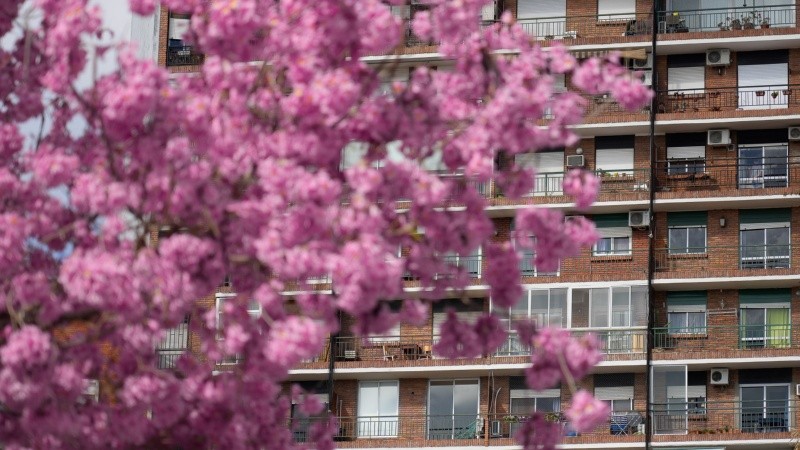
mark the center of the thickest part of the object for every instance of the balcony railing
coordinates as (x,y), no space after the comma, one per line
(726,19)
(184,55)
(722,261)
(550,184)
(613,342)
(617,26)
(172,346)
(469,264)
(728,99)
(771,416)
(750,337)
(760,173)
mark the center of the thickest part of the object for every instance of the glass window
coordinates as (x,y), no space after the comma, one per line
(618,245)
(549,168)
(765,408)
(547,307)
(689,239)
(453,409)
(765,327)
(687,322)
(763,166)
(765,248)
(377,408)
(686,159)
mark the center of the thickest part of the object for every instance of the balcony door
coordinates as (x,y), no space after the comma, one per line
(669,399)
(765,408)
(763,166)
(453,409)
(377,408)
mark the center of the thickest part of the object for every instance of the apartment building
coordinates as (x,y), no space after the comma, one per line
(694,287)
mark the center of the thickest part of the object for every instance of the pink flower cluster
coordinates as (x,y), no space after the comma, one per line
(558,356)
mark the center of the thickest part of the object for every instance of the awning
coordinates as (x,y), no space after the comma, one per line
(638,53)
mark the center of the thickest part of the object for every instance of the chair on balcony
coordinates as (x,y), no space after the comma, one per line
(387,354)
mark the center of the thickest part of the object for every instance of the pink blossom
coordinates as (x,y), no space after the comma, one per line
(26,349)
(583,186)
(537,433)
(586,412)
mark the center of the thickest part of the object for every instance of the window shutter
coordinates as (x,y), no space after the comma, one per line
(608,232)
(687,301)
(613,393)
(532,9)
(687,219)
(543,162)
(754,216)
(690,152)
(686,78)
(178,27)
(615,160)
(769,75)
(610,220)
(613,386)
(764,298)
(353,153)
(616,9)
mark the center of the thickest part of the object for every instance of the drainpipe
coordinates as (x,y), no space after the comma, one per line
(648,433)
(331,361)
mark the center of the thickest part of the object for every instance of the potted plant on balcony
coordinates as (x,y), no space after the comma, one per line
(761,93)
(774,95)
(748,22)
(736,24)
(765,22)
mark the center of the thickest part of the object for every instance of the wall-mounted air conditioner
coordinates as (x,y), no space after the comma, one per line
(794,133)
(639,219)
(719,377)
(575,161)
(718,57)
(642,64)
(719,137)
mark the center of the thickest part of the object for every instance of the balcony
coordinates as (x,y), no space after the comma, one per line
(726,102)
(725,22)
(615,185)
(724,420)
(727,177)
(729,341)
(184,55)
(172,346)
(616,344)
(590,29)
(728,261)
(465,429)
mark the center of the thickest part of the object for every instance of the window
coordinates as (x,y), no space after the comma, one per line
(687,232)
(763,79)
(471,263)
(765,408)
(543,19)
(453,409)
(615,235)
(547,307)
(527,266)
(173,345)
(764,239)
(610,307)
(616,10)
(686,153)
(763,166)
(179,25)
(549,169)
(523,401)
(253,309)
(559,86)
(764,318)
(300,423)
(377,408)
(468,311)
(615,389)
(614,155)
(686,312)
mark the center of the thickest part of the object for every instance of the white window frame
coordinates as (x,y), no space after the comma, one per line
(685,250)
(765,257)
(689,159)
(742,182)
(616,233)
(365,425)
(610,310)
(674,329)
(453,381)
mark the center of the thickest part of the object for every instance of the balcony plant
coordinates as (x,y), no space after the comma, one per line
(761,93)
(774,95)
(765,22)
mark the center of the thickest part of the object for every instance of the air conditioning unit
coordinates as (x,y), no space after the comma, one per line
(797,389)
(719,137)
(719,377)
(718,57)
(639,219)
(641,64)
(575,161)
(794,133)
(350,354)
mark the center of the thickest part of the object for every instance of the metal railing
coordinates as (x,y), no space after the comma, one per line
(470,264)
(612,341)
(702,262)
(174,344)
(727,98)
(617,26)
(185,55)
(689,338)
(744,173)
(549,184)
(720,417)
(726,19)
